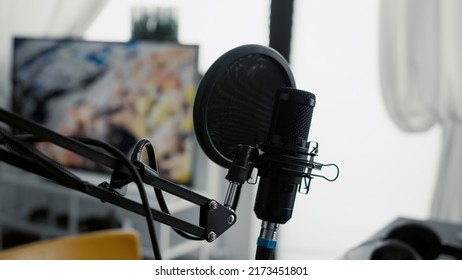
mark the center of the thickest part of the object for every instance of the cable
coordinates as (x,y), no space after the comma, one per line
(136,156)
(139,183)
(45,166)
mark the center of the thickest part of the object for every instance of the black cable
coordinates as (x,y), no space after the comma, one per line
(45,166)
(139,183)
(30,166)
(136,156)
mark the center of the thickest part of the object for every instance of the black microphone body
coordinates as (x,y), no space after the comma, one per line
(276,193)
(281,168)
(278,168)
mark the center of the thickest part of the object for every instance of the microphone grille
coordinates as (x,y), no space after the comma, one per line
(292,115)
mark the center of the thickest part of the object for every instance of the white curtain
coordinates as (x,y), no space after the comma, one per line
(46,18)
(421,78)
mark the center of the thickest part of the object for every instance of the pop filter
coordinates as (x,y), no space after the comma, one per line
(235,99)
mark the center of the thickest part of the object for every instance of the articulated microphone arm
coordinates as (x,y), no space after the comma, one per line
(214,218)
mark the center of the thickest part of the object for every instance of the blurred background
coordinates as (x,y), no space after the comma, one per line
(379,116)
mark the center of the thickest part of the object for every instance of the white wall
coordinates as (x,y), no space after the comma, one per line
(385,173)
(217,26)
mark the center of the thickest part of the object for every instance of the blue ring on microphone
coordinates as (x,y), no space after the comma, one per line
(270,244)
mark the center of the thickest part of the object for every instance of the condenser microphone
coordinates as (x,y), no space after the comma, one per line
(280,169)
(248,114)
(283,164)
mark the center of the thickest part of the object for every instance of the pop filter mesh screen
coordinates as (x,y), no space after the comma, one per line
(240,108)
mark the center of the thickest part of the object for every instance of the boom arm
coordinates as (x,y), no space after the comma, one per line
(214,219)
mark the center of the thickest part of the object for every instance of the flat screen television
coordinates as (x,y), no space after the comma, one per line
(114,92)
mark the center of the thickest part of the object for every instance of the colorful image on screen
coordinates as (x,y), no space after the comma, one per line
(114,92)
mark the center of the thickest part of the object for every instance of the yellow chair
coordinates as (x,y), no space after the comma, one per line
(101,245)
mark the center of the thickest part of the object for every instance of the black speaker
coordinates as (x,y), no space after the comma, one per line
(409,239)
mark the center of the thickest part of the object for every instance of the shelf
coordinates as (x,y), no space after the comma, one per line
(40,229)
(21,191)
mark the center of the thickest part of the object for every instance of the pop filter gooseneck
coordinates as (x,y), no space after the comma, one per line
(247,114)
